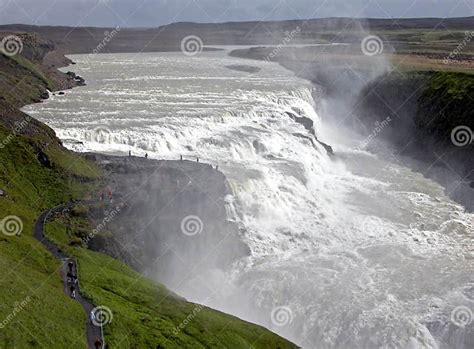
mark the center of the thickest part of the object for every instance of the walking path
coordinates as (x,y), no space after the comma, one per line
(93,332)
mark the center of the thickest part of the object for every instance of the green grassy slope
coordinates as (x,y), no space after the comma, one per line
(146,315)
(29,273)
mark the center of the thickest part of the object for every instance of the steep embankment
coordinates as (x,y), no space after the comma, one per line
(430,113)
(37,173)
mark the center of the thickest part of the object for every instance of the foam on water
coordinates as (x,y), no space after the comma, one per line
(364,252)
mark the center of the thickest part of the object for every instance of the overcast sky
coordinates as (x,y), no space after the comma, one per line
(152,13)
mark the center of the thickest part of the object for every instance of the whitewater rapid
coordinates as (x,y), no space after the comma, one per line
(348,251)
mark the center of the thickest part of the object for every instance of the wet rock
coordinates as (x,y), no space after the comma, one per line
(259,147)
(79,80)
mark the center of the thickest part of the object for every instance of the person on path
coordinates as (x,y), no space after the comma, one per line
(98,344)
(181,157)
(70,277)
(70,264)
(146,156)
(92,317)
(73,292)
(129,153)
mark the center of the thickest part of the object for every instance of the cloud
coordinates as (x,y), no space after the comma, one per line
(152,13)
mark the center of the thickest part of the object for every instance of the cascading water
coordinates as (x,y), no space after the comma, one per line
(350,251)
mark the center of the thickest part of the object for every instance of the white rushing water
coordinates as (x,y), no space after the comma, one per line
(350,251)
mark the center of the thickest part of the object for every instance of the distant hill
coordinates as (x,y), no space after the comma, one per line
(168,38)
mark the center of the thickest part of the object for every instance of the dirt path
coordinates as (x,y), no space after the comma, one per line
(93,332)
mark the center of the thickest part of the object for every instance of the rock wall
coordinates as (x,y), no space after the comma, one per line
(172,217)
(425,110)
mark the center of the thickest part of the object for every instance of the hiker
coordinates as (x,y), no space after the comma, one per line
(70,264)
(181,157)
(98,344)
(146,155)
(197,159)
(69,277)
(129,153)
(92,317)
(74,279)
(73,291)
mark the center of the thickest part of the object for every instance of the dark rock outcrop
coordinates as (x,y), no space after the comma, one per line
(173,212)
(309,126)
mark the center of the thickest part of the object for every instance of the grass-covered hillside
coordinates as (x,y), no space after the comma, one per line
(29,273)
(147,315)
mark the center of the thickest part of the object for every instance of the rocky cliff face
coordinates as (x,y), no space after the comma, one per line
(432,121)
(26,77)
(167,217)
